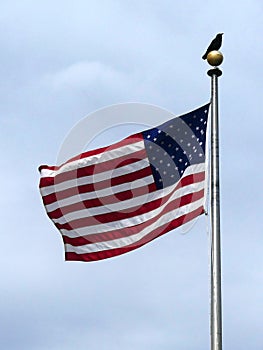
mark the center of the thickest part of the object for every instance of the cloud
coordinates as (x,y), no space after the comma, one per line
(83,75)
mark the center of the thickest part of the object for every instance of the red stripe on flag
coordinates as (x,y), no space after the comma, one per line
(54,197)
(93,169)
(98,202)
(70,256)
(121,196)
(127,141)
(130,212)
(93,187)
(124,232)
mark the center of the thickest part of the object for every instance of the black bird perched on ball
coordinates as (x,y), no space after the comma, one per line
(215,45)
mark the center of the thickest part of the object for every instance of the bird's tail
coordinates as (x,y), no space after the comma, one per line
(204,56)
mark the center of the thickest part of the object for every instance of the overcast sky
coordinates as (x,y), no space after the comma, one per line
(61,61)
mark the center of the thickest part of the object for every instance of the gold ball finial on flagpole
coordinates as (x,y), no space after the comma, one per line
(215,58)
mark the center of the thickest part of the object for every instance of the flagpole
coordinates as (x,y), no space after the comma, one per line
(215,58)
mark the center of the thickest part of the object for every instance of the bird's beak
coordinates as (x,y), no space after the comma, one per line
(221,33)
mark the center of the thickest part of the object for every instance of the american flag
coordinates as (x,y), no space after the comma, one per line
(111,200)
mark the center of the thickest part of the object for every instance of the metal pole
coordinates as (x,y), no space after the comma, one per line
(216,309)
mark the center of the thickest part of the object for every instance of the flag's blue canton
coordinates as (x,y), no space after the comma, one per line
(176,144)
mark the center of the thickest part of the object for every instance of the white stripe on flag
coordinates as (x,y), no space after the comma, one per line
(122,242)
(94,178)
(137,220)
(60,203)
(109,191)
(104,156)
(131,203)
